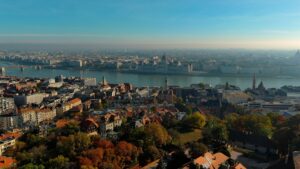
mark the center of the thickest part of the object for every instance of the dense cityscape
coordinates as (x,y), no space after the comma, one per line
(73,122)
(233,63)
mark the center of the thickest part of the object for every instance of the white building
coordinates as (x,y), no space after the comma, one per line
(35,116)
(6,143)
(36,98)
(89,82)
(6,104)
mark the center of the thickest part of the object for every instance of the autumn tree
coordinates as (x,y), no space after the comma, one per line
(157,133)
(127,152)
(193,121)
(94,155)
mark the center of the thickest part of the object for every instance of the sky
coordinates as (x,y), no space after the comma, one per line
(267,24)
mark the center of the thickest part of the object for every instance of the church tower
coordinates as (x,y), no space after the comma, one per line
(166,83)
(254,82)
(104,82)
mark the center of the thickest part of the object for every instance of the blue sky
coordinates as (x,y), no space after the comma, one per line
(153,23)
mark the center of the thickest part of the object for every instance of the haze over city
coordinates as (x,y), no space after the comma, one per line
(255,24)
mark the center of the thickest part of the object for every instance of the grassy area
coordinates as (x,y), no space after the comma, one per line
(189,136)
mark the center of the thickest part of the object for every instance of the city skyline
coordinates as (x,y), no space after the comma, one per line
(155,24)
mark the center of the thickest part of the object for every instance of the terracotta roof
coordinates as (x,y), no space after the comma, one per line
(7,162)
(74,100)
(62,123)
(211,160)
(29,109)
(26,110)
(8,135)
(239,166)
(91,121)
(202,160)
(219,159)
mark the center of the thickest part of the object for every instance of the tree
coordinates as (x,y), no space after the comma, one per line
(85,162)
(70,129)
(178,159)
(231,119)
(251,123)
(288,135)
(183,107)
(94,156)
(276,119)
(157,133)
(38,154)
(66,146)
(197,149)
(215,130)
(31,166)
(20,145)
(82,141)
(282,138)
(126,149)
(59,162)
(174,134)
(150,154)
(194,121)
(104,144)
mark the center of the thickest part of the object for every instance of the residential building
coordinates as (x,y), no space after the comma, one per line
(6,104)
(36,98)
(9,121)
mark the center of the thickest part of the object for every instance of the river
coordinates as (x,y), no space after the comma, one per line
(153,79)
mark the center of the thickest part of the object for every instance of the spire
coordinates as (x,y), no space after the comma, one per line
(166,83)
(261,86)
(254,82)
(104,82)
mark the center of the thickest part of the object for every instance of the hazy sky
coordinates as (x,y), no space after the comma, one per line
(153,23)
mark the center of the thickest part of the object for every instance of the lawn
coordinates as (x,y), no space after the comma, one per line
(189,136)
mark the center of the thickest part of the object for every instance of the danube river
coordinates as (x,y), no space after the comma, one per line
(153,79)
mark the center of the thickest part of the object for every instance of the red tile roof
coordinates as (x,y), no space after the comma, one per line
(8,135)
(7,162)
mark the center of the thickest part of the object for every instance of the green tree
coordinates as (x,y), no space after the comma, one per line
(276,119)
(197,149)
(175,135)
(150,154)
(31,166)
(252,123)
(157,133)
(59,162)
(82,141)
(193,121)
(69,129)
(215,130)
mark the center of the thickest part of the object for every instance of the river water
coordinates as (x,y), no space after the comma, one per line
(153,79)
